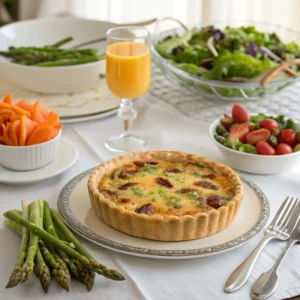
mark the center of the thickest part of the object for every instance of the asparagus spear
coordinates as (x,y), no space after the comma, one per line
(62,42)
(48,224)
(86,276)
(59,271)
(89,262)
(15,276)
(28,265)
(100,269)
(68,61)
(13,226)
(41,270)
(64,277)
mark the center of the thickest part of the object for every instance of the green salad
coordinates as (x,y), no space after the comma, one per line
(243,52)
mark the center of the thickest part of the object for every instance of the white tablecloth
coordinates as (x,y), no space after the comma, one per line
(154,279)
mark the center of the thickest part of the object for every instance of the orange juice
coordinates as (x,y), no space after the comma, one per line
(128,69)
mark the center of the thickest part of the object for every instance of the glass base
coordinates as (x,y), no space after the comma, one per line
(128,143)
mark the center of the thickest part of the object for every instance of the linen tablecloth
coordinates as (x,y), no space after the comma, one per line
(155,279)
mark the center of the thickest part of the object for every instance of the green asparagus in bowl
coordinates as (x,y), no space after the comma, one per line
(52,55)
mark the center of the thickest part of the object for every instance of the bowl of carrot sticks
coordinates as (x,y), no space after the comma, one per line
(29,134)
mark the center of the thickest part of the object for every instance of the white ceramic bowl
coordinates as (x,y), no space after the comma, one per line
(254,163)
(25,158)
(41,32)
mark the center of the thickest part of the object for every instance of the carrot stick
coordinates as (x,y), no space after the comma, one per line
(23,133)
(5,135)
(13,108)
(8,99)
(13,132)
(40,135)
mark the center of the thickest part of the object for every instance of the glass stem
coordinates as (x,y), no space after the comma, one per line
(127,113)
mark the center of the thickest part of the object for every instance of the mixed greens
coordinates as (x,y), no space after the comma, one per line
(51,55)
(242,52)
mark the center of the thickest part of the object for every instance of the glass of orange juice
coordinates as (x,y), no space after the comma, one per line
(128,76)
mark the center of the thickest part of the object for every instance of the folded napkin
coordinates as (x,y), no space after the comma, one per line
(204,278)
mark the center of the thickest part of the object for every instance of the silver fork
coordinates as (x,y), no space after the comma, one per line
(266,284)
(280,228)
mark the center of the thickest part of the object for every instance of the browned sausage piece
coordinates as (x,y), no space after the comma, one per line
(147,209)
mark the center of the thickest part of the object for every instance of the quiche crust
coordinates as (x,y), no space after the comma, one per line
(163,227)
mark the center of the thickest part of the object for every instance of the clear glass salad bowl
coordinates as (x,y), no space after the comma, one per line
(223,90)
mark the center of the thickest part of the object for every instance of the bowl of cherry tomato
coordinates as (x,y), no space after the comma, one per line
(259,144)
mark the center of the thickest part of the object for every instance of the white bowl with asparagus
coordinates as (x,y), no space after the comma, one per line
(39,55)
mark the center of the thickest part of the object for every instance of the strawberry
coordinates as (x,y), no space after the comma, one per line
(288,136)
(268,124)
(256,136)
(239,114)
(239,132)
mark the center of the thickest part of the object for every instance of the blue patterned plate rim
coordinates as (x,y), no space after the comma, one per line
(68,217)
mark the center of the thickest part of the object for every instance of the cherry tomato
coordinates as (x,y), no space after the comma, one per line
(256,136)
(239,114)
(239,132)
(283,149)
(263,148)
(287,136)
(268,124)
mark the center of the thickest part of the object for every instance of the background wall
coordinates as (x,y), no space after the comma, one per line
(190,12)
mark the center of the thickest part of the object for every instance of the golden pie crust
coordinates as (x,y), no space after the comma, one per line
(164,227)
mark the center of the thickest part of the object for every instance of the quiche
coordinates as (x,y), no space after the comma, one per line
(165,195)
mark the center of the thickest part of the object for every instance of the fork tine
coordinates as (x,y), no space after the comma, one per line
(293,211)
(294,219)
(282,207)
(285,213)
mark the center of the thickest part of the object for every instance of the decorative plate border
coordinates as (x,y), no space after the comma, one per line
(66,213)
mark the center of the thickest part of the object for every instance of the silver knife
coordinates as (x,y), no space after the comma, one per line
(266,284)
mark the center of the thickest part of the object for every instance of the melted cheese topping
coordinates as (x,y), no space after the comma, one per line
(166,188)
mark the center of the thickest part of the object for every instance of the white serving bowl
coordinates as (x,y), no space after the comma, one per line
(26,158)
(41,32)
(254,163)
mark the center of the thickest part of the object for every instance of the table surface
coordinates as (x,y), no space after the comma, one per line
(203,278)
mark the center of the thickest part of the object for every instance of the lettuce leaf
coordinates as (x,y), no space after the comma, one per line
(165,48)
(239,64)
(193,54)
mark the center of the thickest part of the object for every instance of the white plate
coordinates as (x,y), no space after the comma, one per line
(65,158)
(75,208)
(88,117)
(67,105)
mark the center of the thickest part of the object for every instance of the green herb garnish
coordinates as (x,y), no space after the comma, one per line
(180,179)
(193,195)
(196,173)
(176,205)
(137,191)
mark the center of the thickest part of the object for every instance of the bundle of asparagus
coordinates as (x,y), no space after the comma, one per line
(48,248)
(51,55)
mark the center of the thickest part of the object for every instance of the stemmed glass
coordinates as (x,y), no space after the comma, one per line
(128,76)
